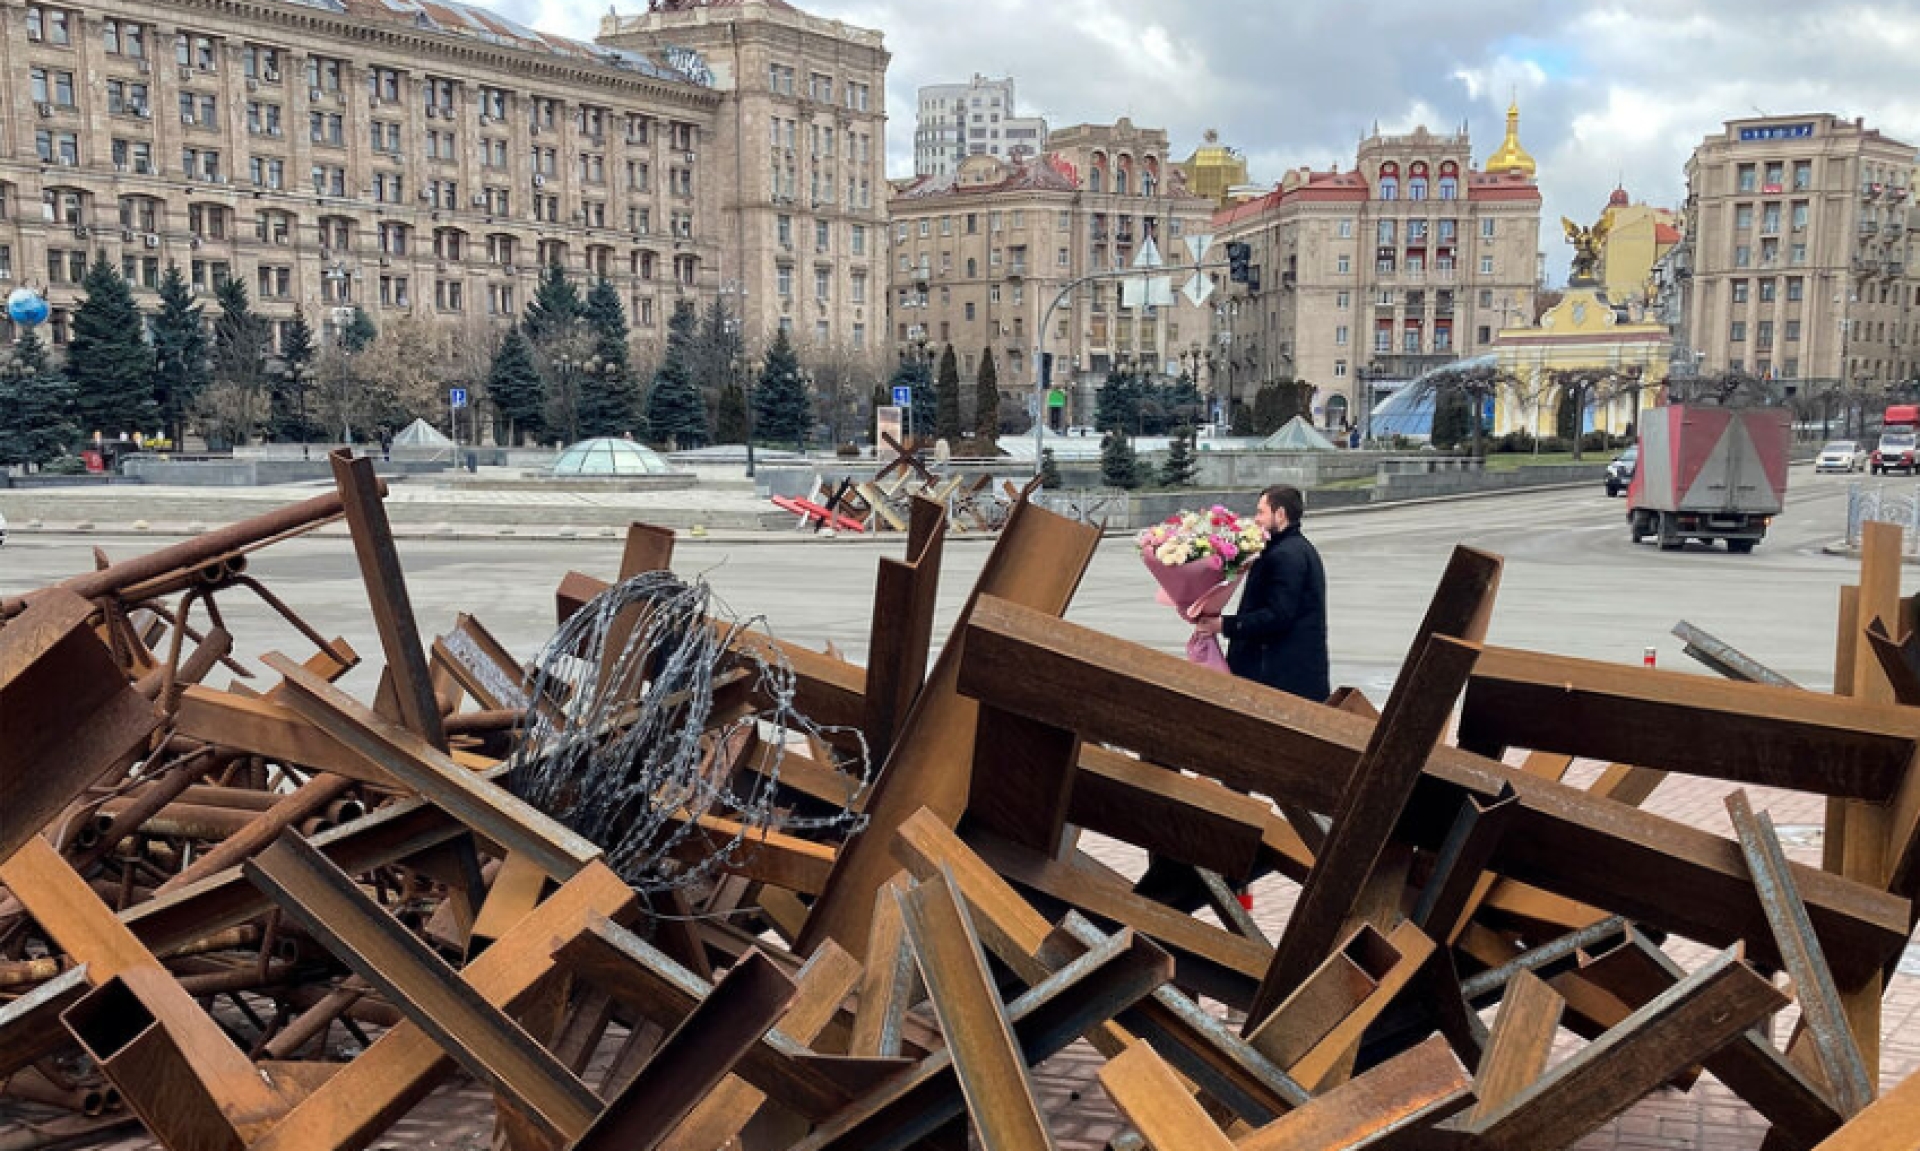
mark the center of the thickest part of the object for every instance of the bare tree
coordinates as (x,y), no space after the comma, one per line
(843,381)
(1476,384)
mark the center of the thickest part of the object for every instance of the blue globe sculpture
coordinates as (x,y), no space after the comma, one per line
(27,307)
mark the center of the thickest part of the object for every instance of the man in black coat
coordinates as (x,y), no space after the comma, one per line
(1279,636)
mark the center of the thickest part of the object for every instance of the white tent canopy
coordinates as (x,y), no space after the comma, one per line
(1297,435)
(421,434)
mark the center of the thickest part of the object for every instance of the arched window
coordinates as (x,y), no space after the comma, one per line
(973,267)
(1093,180)
(1449,181)
(1150,178)
(1389,181)
(1417,182)
(1120,182)
(1336,411)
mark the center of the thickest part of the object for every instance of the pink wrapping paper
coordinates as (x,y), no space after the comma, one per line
(1193,590)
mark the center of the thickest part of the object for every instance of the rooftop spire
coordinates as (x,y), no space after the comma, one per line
(1510,156)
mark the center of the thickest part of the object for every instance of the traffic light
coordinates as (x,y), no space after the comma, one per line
(1239,259)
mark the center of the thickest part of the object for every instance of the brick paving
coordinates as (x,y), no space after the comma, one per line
(459,1117)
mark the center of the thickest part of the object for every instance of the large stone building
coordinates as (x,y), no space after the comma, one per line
(1369,277)
(416,158)
(1638,237)
(977,118)
(797,161)
(982,256)
(1794,263)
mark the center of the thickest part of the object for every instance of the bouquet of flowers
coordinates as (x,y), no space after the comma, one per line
(1196,557)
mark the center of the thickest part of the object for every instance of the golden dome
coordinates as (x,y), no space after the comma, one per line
(1510,156)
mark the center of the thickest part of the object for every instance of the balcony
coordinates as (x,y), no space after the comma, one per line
(1869,227)
(1414,275)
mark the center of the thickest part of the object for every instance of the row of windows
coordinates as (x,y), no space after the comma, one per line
(782,80)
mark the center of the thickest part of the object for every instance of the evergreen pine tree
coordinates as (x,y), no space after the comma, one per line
(946,403)
(609,398)
(108,359)
(1117,403)
(1176,471)
(556,308)
(782,408)
(241,341)
(38,425)
(675,410)
(293,382)
(180,370)
(1452,418)
(1119,467)
(986,401)
(730,415)
(359,331)
(1050,471)
(1242,422)
(519,395)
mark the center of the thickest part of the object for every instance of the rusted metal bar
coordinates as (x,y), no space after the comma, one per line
(986,1059)
(1562,953)
(1726,659)
(482,666)
(1447,898)
(361,502)
(408,758)
(1022,779)
(477,1034)
(1157,1103)
(1521,1041)
(887,980)
(822,986)
(516,891)
(312,1023)
(352,1108)
(1677,721)
(1825,1017)
(1691,1021)
(742,1007)
(30,1027)
(69,713)
(1313,1045)
(1407,1093)
(268,728)
(1891,1123)
(904,597)
(1415,718)
(1195,821)
(1036,563)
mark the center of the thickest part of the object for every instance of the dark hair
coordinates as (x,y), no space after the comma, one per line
(1286,498)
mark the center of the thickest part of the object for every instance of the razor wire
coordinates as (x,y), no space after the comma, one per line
(618,747)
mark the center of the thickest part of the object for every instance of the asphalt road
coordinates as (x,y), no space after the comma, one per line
(1573,584)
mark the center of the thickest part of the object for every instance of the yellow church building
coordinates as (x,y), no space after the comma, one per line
(1580,333)
(1638,235)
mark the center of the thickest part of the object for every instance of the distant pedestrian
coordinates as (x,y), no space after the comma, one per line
(1279,636)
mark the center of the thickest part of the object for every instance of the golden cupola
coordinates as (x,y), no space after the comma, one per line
(1510,156)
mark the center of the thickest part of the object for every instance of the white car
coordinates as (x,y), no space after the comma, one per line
(1841,456)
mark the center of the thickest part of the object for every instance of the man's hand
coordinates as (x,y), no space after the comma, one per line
(1207,625)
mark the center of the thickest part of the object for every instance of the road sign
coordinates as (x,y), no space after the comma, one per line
(457,397)
(1057,398)
(1198,243)
(1198,288)
(902,396)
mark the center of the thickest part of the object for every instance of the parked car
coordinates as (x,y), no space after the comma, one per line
(1841,456)
(1620,471)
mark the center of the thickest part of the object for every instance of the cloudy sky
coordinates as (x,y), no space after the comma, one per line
(1610,91)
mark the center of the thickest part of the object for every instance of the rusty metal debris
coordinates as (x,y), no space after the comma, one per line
(674,883)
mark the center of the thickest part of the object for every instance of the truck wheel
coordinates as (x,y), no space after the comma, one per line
(1636,526)
(1741,547)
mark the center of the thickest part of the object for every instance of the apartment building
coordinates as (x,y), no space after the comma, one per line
(1366,278)
(976,118)
(408,158)
(799,154)
(982,257)
(1794,259)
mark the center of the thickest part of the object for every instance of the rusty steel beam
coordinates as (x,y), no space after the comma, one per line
(1694,1019)
(1312,1041)
(1415,718)
(305,802)
(268,728)
(1519,1044)
(1726,659)
(1891,1123)
(1685,723)
(363,1099)
(1821,1011)
(1449,897)
(1158,1104)
(905,594)
(67,714)
(408,758)
(482,1038)
(742,1008)
(30,1027)
(986,1058)
(1022,779)
(887,979)
(1405,1094)
(1195,821)
(1630,862)
(516,891)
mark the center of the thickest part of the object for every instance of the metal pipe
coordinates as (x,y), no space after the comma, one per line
(313,1022)
(31,1085)
(295,807)
(187,820)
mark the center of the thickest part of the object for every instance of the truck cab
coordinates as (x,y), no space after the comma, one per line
(1899,446)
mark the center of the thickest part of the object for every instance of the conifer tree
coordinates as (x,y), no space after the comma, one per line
(609,397)
(946,413)
(180,367)
(108,359)
(1050,471)
(38,425)
(730,417)
(782,409)
(519,395)
(1119,467)
(675,411)
(1176,471)
(986,401)
(556,308)
(293,382)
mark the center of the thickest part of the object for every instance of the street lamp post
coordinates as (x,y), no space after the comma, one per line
(753,372)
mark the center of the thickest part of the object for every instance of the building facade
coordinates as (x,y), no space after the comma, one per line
(1793,264)
(1638,237)
(1366,278)
(334,153)
(977,118)
(983,260)
(799,161)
